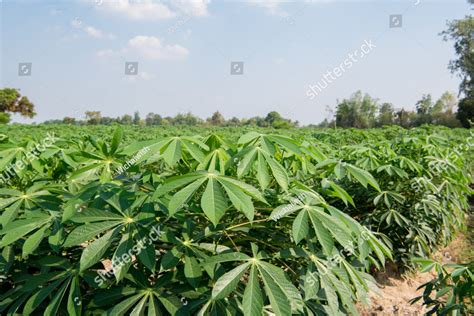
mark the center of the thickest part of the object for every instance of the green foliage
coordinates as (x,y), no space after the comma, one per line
(11,101)
(4,118)
(361,111)
(451,292)
(239,221)
(460,31)
(466,112)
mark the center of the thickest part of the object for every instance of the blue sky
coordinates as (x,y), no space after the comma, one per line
(78,50)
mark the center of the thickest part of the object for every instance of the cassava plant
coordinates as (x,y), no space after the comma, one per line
(238,222)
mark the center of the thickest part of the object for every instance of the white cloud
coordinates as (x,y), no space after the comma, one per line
(137,9)
(272,7)
(152,47)
(152,10)
(148,47)
(195,8)
(90,30)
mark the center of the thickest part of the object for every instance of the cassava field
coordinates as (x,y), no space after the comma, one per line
(226,221)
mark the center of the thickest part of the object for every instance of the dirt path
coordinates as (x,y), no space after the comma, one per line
(397,290)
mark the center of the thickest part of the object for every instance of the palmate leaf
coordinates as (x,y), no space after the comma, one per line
(261,157)
(214,200)
(88,231)
(227,283)
(330,226)
(338,191)
(124,246)
(126,217)
(252,302)
(300,227)
(105,221)
(216,160)
(343,169)
(341,284)
(262,161)
(39,224)
(171,149)
(283,295)
(139,299)
(14,202)
(280,303)
(192,271)
(44,293)
(94,252)
(362,176)
(281,279)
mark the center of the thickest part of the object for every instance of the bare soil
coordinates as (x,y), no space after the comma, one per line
(397,290)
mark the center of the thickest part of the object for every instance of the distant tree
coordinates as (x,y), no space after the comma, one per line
(251,121)
(126,120)
(358,111)
(136,118)
(460,31)
(153,119)
(405,118)
(443,111)
(186,119)
(447,102)
(217,119)
(282,124)
(105,120)
(93,117)
(424,105)
(465,112)
(275,120)
(424,110)
(233,122)
(69,120)
(11,101)
(386,114)
(273,117)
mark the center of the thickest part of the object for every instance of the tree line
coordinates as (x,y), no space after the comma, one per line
(362,111)
(359,111)
(272,119)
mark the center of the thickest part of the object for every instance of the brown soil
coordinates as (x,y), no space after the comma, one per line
(397,290)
